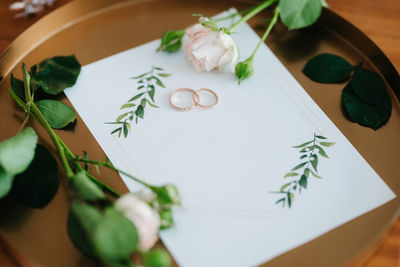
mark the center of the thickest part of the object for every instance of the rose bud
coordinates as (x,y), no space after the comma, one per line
(171,41)
(145,219)
(209,49)
(244,69)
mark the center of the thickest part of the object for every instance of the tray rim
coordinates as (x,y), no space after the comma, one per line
(79,10)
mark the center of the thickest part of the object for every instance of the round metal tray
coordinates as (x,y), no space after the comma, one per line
(94,29)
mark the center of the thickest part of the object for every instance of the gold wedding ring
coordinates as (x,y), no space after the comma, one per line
(196,99)
(211,92)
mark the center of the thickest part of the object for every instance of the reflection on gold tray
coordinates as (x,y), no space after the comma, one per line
(94,29)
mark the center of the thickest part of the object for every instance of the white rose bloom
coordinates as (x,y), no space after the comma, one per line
(146,219)
(209,50)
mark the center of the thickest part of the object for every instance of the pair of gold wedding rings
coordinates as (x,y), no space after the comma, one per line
(195,99)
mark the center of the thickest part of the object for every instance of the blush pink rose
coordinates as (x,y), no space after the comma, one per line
(146,220)
(209,50)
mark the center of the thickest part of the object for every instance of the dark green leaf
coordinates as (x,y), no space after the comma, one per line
(156,68)
(303,182)
(126,130)
(6,181)
(86,188)
(373,116)
(290,197)
(297,14)
(157,258)
(37,186)
(57,73)
(151,93)
(303,156)
(167,219)
(118,130)
(328,68)
(82,221)
(290,174)
(314,162)
(135,97)
(57,114)
(115,237)
(140,111)
(327,144)
(171,41)
(301,165)
(320,137)
(281,200)
(368,86)
(304,144)
(17,152)
(18,86)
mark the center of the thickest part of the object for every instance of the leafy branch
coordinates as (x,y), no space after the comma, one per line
(98,223)
(134,108)
(309,152)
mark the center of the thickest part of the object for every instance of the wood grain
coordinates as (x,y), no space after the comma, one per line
(380,20)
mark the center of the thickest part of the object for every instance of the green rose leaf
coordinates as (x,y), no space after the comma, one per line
(369,86)
(115,238)
(296,14)
(171,41)
(17,152)
(18,86)
(86,188)
(6,181)
(82,221)
(328,68)
(156,258)
(57,73)
(56,113)
(363,113)
(37,186)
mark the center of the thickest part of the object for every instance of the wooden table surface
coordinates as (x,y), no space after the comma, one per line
(380,20)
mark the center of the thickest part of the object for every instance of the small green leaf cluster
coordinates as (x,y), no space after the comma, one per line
(365,99)
(309,155)
(134,108)
(94,225)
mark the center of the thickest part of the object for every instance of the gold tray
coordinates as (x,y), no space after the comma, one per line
(94,29)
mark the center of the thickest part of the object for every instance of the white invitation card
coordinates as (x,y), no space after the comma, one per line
(228,161)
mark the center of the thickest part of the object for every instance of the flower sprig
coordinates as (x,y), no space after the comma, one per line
(134,108)
(102,223)
(309,152)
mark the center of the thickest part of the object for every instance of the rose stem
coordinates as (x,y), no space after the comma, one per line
(270,26)
(252,13)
